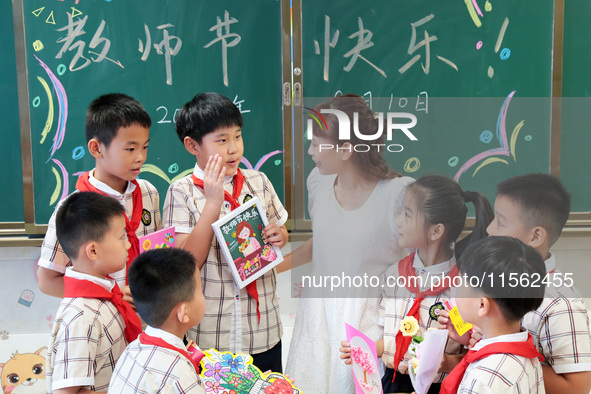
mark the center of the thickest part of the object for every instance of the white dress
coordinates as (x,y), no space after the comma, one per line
(346,243)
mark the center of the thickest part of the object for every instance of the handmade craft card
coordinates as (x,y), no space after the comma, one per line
(364,361)
(235,373)
(454,315)
(158,239)
(423,367)
(240,235)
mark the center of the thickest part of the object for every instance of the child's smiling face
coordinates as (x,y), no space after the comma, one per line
(227,143)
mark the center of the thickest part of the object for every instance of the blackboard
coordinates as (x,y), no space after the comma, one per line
(575,160)
(10,152)
(162,54)
(476,74)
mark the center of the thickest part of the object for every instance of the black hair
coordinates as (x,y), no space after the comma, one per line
(83,217)
(371,162)
(205,113)
(159,280)
(494,261)
(543,201)
(440,199)
(109,112)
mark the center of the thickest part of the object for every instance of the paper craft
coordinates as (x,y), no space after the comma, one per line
(234,373)
(240,236)
(364,361)
(422,370)
(158,239)
(454,315)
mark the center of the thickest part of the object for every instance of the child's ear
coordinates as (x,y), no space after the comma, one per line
(191,145)
(91,250)
(436,231)
(94,147)
(181,313)
(484,306)
(538,236)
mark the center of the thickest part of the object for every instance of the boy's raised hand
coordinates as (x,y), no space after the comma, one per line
(213,180)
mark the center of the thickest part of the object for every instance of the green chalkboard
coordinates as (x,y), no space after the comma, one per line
(476,74)
(162,54)
(10,153)
(575,161)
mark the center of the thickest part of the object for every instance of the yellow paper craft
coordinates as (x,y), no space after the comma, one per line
(461,326)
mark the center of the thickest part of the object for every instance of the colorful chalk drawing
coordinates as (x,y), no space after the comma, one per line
(62,100)
(151,168)
(49,121)
(507,147)
(66,183)
(474,10)
(261,161)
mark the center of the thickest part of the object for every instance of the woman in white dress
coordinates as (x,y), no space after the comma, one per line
(353,200)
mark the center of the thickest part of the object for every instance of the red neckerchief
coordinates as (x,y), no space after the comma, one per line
(524,349)
(149,340)
(406,270)
(251,288)
(81,288)
(84,185)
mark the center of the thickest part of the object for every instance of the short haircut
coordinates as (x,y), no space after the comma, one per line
(205,113)
(543,201)
(83,217)
(159,280)
(109,112)
(493,260)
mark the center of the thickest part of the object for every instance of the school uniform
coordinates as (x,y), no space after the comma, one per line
(231,321)
(560,326)
(156,362)
(398,302)
(150,221)
(89,334)
(504,370)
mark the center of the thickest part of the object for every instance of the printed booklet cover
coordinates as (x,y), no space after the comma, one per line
(240,235)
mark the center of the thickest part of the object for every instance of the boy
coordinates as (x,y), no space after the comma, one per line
(117,133)
(236,320)
(93,324)
(506,359)
(534,208)
(166,288)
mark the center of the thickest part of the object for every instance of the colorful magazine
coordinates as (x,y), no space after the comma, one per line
(240,235)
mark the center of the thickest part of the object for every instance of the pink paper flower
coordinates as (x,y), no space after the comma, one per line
(365,386)
(356,354)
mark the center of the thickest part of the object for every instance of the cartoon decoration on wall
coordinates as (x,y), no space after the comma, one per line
(24,373)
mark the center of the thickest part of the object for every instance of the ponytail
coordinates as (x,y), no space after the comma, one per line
(484,216)
(442,200)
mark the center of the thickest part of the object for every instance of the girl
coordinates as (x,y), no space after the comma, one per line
(354,198)
(433,216)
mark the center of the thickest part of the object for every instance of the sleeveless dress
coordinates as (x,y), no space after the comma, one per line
(346,244)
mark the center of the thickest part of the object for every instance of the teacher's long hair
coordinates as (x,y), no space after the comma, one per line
(371,162)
